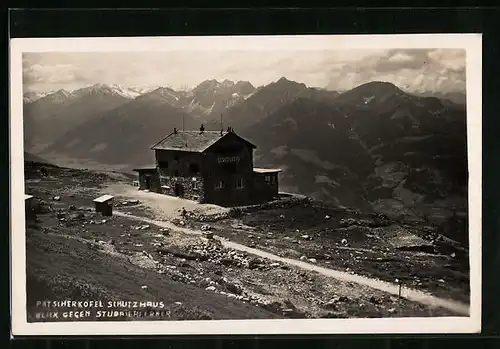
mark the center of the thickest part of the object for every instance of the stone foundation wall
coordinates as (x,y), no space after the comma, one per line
(187,187)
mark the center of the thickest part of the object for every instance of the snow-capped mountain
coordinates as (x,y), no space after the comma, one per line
(209,98)
(140,90)
(31,96)
(254,105)
(113,89)
(56,97)
(51,116)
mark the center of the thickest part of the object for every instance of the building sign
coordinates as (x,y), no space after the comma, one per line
(228,160)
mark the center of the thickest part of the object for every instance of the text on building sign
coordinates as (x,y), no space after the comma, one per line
(228,159)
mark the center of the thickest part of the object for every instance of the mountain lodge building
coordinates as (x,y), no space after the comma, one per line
(209,167)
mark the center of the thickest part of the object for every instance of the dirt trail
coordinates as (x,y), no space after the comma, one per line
(164,206)
(407,293)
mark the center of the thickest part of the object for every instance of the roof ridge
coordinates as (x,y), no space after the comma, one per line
(161,140)
(193,140)
(198,131)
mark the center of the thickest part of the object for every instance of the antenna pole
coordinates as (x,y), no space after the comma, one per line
(221,128)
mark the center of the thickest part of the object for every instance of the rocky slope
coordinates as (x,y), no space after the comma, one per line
(74,253)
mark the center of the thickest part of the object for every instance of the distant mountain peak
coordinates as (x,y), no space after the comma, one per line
(62,92)
(283,81)
(164,92)
(371,92)
(57,97)
(244,83)
(111,89)
(385,85)
(207,84)
(162,89)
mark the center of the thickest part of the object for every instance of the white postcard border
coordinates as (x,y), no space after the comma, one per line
(472,43)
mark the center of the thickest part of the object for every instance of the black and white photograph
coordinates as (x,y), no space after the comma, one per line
(188,185)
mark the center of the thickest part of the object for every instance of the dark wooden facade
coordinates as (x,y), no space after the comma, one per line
(149,179)
(266,184)
(209,167)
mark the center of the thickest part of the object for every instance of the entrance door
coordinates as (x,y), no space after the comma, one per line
(178,190)
(148,182)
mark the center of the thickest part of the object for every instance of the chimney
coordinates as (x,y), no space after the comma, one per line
(202,129)
(229,129)
(175,130)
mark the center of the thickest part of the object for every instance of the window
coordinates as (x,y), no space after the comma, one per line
(194,168)
(239,183)
(267,179)
(219,185)
(163,164)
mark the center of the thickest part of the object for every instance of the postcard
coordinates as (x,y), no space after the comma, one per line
(317,184)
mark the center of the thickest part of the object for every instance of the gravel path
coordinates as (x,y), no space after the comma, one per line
(407,293)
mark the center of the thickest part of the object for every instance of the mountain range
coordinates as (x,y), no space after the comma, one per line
(207,100)
(373,147)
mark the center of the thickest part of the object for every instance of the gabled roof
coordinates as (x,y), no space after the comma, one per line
(193,141)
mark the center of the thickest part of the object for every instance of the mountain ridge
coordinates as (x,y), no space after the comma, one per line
(374,147)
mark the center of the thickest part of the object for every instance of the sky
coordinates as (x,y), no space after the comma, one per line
(415,70)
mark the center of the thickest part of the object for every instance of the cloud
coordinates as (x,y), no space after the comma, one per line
(58,73)
(453,60)
(335,69)
(416,70)
(396,60)
(400,57)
